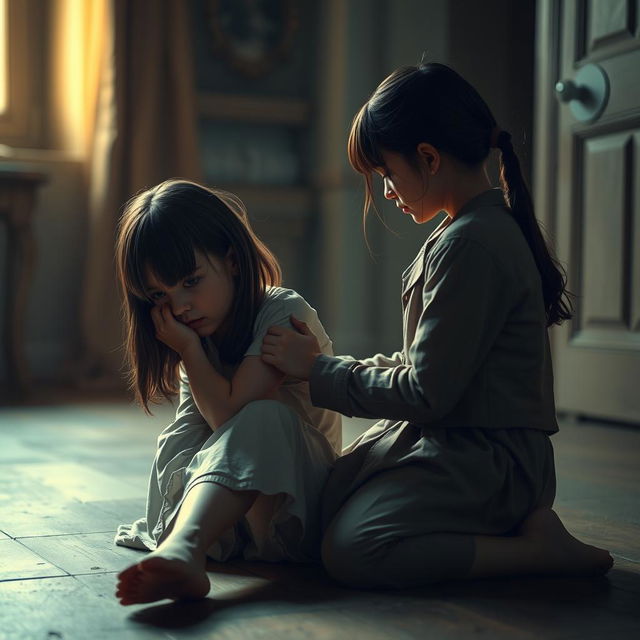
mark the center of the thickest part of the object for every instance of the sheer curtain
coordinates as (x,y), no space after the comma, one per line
(140,119)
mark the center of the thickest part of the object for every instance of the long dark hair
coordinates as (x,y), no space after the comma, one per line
(160,229)
(432,103)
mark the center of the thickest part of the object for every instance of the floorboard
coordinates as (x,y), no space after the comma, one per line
(71,472)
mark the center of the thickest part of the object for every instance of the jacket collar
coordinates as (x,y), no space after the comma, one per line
(491,198)
(413,272)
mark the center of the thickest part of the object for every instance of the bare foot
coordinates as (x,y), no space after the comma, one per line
(171,571)
(559,552)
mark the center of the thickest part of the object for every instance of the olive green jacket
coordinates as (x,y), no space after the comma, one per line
(476,349)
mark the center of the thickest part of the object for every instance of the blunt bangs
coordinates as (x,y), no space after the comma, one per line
(160,231)
(163,247)
(165,228)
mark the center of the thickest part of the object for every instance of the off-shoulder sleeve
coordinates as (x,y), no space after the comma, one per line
(467,296)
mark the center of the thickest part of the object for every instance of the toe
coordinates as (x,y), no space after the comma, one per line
(128,582)
(127,587)
(131,596)
(126,597)
(125,602)
(129,571)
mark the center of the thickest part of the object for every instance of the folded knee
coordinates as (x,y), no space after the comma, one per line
(358,560)
(267,416)
(265,408)
(266,411)
(346,560)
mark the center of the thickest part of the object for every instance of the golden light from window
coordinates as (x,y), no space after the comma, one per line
(4,76)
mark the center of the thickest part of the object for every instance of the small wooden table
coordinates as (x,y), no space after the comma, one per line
(18,188)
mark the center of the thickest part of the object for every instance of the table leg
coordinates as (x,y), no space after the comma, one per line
(19,270)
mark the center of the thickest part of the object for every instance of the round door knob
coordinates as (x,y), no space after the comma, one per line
(568,90)
(588,95)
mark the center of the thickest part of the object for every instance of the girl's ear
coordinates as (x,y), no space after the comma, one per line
(429,156)
(231,261)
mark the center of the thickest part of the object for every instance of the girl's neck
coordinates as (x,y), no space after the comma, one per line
(464,187)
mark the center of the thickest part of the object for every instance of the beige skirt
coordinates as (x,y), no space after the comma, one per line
(265,447)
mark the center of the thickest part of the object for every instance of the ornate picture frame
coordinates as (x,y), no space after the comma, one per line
(253,35)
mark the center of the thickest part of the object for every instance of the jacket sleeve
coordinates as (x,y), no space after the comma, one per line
(466,298)
(378,360)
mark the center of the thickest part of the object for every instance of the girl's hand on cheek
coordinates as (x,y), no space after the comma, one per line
(293,352)
(174,334)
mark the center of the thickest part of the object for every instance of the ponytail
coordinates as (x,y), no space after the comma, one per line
(432,103)
(557,299)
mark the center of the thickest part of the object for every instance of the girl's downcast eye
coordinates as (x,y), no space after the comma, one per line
(188,283)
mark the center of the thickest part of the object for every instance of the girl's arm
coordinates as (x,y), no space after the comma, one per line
(466,299)
(187,409)
(216,398)
(294,352)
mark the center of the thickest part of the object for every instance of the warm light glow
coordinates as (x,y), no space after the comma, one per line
(4,75)
(68,71)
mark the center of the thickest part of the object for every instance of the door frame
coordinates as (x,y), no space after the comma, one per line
(545,122)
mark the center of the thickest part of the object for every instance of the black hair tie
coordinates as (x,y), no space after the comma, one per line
(504,141)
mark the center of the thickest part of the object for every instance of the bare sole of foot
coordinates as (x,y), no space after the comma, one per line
(157,577)
(561,553)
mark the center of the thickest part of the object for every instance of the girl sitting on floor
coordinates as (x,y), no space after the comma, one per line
(241,469)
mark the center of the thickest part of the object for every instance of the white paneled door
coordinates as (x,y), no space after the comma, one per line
(587,180)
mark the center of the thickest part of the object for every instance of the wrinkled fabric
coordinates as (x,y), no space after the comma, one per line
(282,447)
(414,525)
(468,400)
(476,349)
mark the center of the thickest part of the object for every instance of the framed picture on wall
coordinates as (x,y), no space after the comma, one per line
(253,35)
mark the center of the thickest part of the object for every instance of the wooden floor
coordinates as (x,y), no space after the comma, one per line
(70,473)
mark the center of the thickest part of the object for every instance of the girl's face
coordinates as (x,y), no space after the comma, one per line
(203,299)
(412,188)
